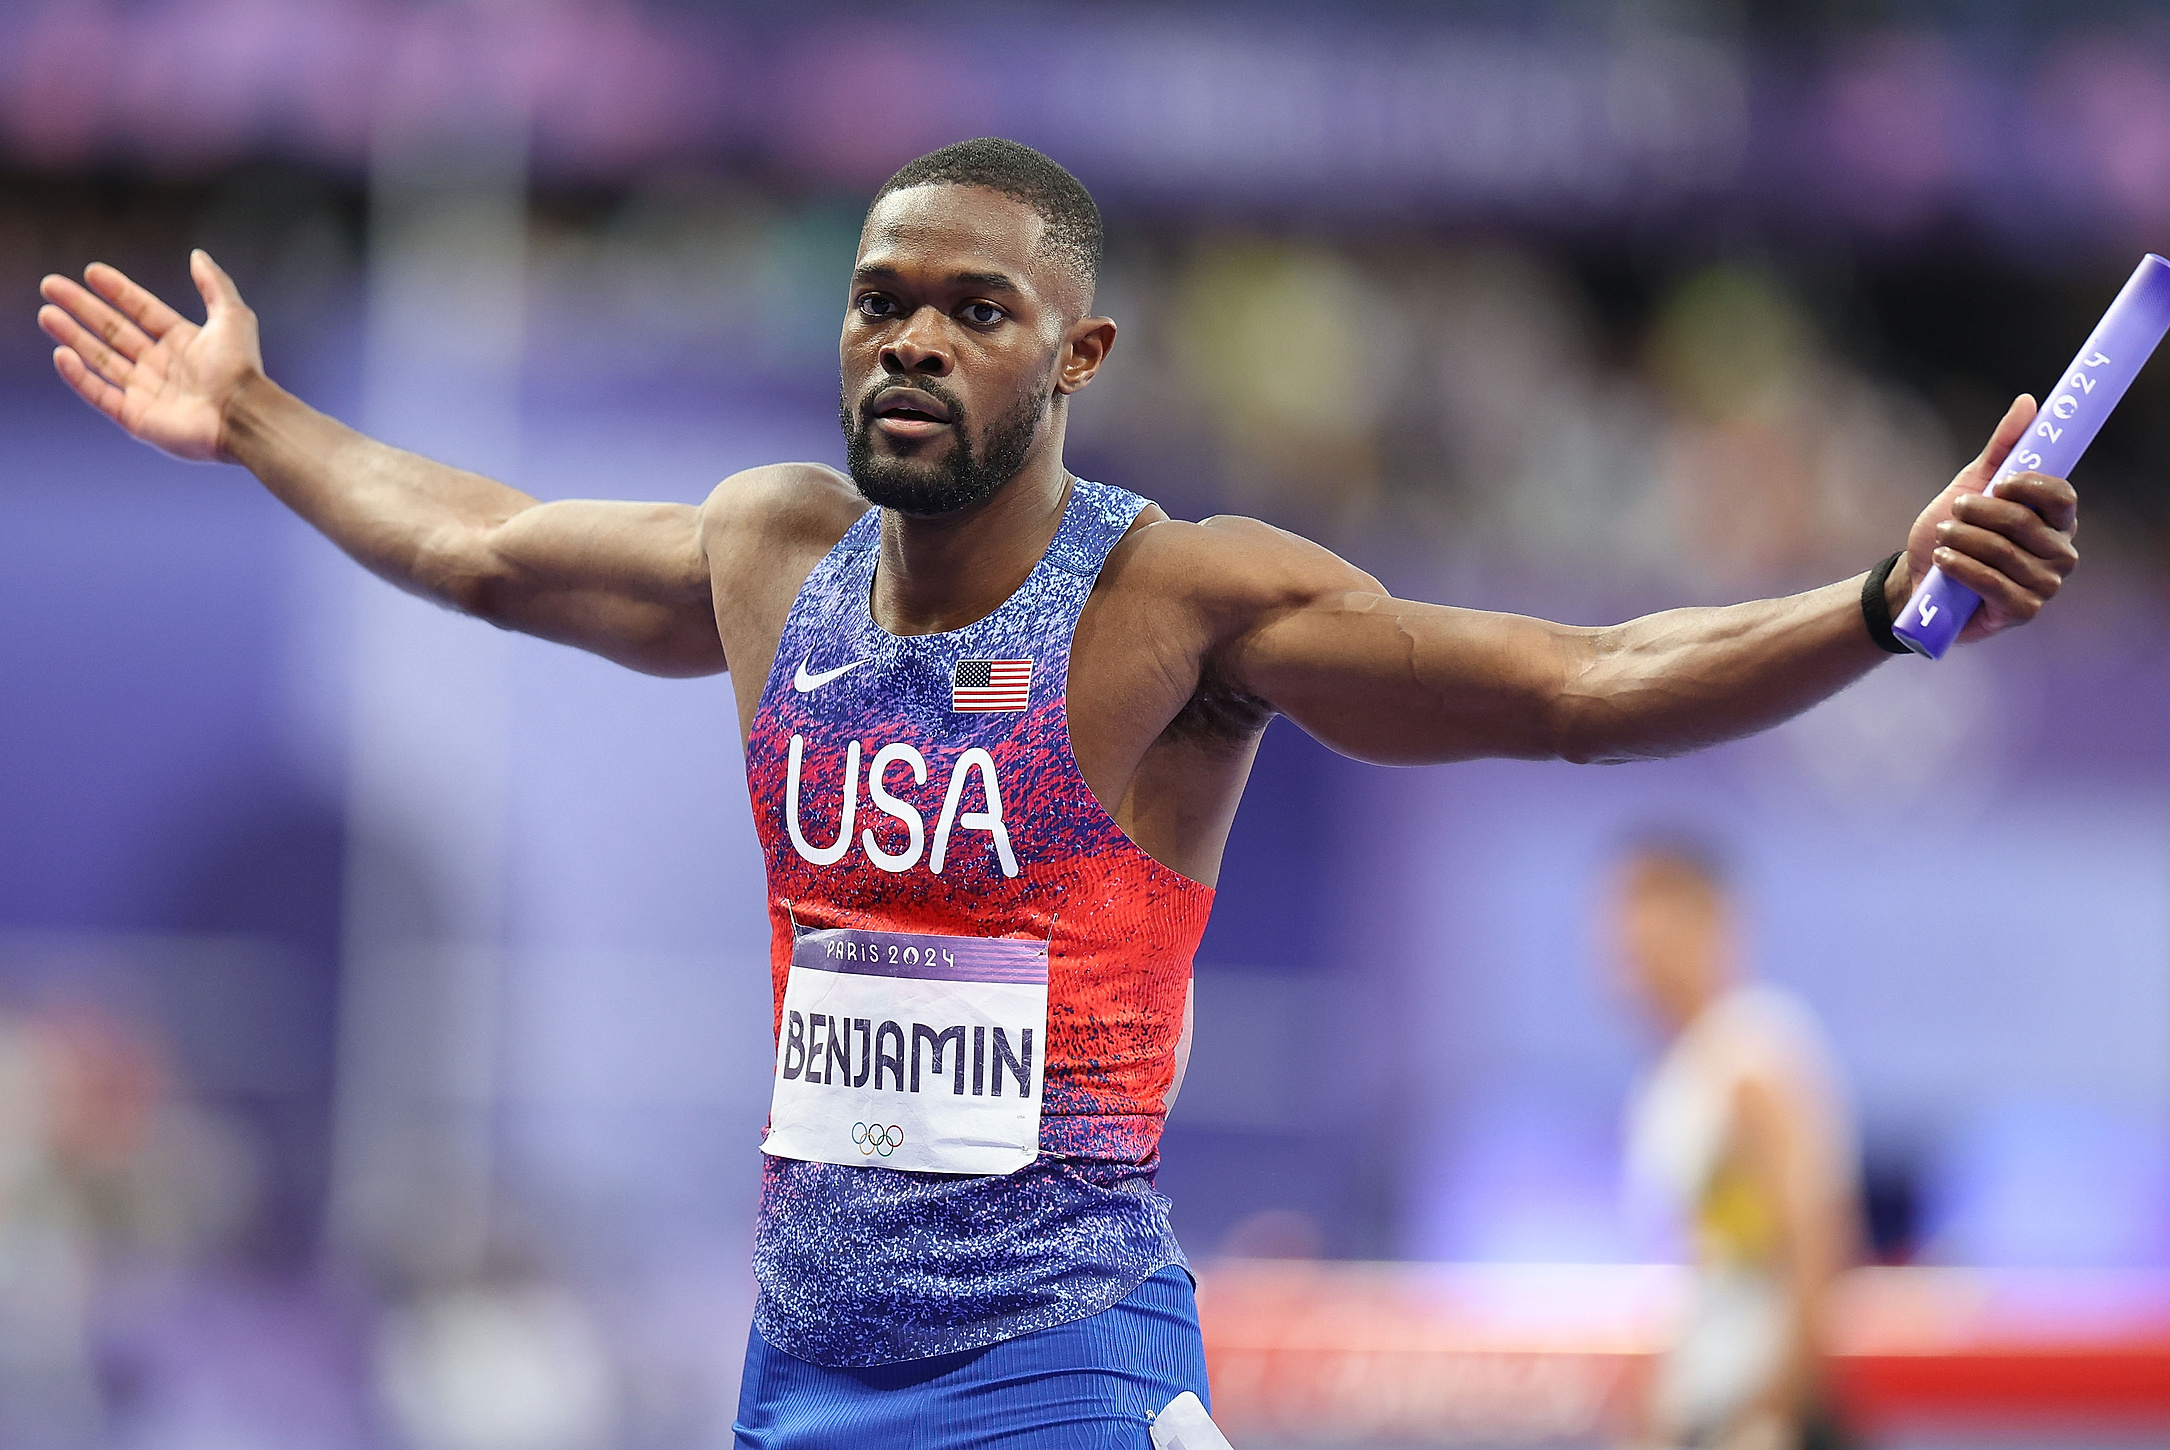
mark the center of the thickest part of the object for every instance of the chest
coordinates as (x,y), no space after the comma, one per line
(1125,667)
(1121,680)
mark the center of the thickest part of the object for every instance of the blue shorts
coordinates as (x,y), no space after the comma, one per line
(1094,1384)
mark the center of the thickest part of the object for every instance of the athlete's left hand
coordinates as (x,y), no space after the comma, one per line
(2014,549)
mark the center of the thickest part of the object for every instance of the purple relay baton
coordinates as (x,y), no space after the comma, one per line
(2060,433)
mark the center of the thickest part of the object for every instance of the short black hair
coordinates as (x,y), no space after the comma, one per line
(1026,175)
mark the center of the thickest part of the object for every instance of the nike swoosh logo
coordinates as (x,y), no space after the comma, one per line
(803,682)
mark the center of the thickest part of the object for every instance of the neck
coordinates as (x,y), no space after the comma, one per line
(1686,1008)
(945,571)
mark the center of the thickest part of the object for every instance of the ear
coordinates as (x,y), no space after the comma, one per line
(1084,348)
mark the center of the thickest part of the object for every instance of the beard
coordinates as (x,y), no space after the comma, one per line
(968,476)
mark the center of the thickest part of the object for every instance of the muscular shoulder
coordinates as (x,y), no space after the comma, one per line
(762,532)
(1229,573)
(790,506)
(780,518)
(1196,592)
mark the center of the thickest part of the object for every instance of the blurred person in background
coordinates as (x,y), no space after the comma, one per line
(1741,1133)
(988,629)
(48,1389)
(96,1162)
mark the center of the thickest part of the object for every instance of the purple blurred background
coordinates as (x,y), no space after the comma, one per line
(383,1024)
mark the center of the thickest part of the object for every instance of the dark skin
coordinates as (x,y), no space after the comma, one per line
(1195,635)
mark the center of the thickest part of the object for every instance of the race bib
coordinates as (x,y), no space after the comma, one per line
(907,1051)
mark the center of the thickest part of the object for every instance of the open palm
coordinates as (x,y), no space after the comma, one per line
(164,379)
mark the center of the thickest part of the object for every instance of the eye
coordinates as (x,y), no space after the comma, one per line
(875,304)
(981,314)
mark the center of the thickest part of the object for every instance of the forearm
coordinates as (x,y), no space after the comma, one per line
(420,524)
(1674,682)
(629,581)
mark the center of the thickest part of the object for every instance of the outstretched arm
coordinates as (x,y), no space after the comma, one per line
(628,581)
(1388,680)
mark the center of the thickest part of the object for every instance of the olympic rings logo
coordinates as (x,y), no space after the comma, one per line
(880,1138)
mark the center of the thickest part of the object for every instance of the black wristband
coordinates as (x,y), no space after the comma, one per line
(1876,610)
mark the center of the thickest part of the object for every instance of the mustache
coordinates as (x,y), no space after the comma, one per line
(931,387)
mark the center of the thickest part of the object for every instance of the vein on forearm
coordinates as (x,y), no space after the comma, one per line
(1674,682)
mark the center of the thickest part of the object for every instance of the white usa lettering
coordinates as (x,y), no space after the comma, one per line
(888,755)
(973,762)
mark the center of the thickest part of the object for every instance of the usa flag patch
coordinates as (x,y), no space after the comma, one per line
(991,685)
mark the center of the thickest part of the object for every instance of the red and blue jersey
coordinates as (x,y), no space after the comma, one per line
(975,823)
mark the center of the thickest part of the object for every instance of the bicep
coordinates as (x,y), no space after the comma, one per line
(1401,683)
(628,581)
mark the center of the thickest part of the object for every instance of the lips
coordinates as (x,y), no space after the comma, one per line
(908,411)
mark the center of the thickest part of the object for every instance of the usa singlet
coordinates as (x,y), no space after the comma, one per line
(981,985)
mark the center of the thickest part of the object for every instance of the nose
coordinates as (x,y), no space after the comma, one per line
(918,350)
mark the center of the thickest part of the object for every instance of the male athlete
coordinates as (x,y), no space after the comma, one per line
(996,721)
(1741,1131)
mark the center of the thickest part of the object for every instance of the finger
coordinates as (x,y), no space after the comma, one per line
(117,331)
(62,328)
(88,386)
(2002,437)
(139,303)
(2003,595)
(2035,573)
(218,289)
(2053,498)
(2015,521)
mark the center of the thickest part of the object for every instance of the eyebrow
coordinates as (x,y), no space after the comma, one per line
(979,281)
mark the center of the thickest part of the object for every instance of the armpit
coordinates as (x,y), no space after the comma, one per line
(1219,714)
